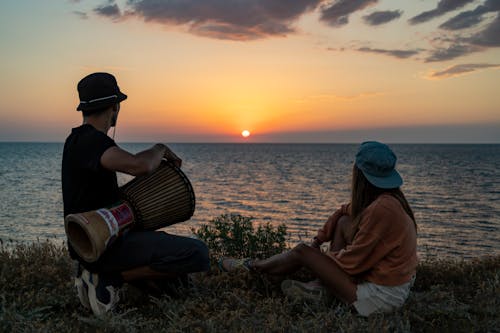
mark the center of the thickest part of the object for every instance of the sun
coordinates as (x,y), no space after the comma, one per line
(245,134)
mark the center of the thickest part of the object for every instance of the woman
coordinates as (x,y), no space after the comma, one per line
(372,258)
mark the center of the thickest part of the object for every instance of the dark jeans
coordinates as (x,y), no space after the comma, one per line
(160,251)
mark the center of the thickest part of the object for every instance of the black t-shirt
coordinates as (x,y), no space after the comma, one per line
(86,185)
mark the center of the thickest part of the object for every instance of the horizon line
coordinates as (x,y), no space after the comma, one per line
(277,143)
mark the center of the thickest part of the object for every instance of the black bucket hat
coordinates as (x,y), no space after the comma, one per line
(97,91)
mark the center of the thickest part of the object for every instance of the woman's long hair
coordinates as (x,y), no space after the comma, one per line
(363,193)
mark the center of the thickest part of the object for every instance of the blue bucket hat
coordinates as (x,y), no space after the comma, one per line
(377,162)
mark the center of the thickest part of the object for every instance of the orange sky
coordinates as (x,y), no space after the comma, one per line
(299,71)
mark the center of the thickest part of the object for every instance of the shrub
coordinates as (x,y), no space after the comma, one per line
(234,235)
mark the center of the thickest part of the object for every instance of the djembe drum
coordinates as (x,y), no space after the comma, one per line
(150,202)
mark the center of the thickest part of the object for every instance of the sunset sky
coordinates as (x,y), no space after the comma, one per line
(285,70)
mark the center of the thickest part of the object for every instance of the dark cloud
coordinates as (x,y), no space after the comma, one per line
(443,7)
(462,45)
(465,20)
(109,10)
(401,54)
(453,51)
(236,20)
(490,36)
(382,17)
(471,18)
(457,46)
(258,19)
(337,14)
(492,5)
(460,70)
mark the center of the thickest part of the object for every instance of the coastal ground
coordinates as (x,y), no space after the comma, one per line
(37,295)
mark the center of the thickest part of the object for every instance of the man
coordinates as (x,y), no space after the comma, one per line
(90,162)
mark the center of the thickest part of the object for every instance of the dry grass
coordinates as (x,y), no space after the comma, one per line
(37,295)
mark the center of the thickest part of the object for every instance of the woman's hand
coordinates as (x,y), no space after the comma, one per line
(315,242)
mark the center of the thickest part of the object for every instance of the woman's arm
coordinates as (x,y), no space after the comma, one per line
(326,233)
(369,245)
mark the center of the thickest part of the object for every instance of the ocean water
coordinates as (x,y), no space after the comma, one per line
(454,190)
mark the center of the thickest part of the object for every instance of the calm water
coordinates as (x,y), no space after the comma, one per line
(453,189)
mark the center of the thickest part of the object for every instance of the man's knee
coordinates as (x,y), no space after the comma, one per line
(200,256)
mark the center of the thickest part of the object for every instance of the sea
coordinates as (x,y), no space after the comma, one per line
(453,189)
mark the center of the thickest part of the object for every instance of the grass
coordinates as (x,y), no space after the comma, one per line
(37,295)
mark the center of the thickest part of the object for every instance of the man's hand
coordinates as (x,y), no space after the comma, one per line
(170,156)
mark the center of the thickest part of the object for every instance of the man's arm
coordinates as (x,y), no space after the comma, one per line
(144,162)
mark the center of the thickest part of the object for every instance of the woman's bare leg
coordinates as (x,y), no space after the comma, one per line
(284,263)
(279,264)
(338,282)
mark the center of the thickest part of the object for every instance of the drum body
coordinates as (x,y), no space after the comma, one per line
(150,202)
(90,233)
(163,198)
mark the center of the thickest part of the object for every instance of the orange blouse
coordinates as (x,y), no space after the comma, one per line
(384,250)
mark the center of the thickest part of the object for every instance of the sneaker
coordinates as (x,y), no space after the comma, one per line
(102,296)
(227,264)
(81,287)
(312,291)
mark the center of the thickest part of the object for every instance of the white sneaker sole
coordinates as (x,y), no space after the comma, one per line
(82,292)
(98,308)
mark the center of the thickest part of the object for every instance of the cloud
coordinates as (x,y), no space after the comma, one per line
(471,18)
(490,36)
(110,10)
(493,5)
(401,54)
(223,19)
(459,46)
(244,20)
(458,70)
(337,14)
(465,19)
(443,7)
(453,51)
(382,17)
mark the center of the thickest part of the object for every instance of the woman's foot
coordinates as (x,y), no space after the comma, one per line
(228,264)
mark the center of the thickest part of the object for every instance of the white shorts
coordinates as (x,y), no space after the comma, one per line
(372,297)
